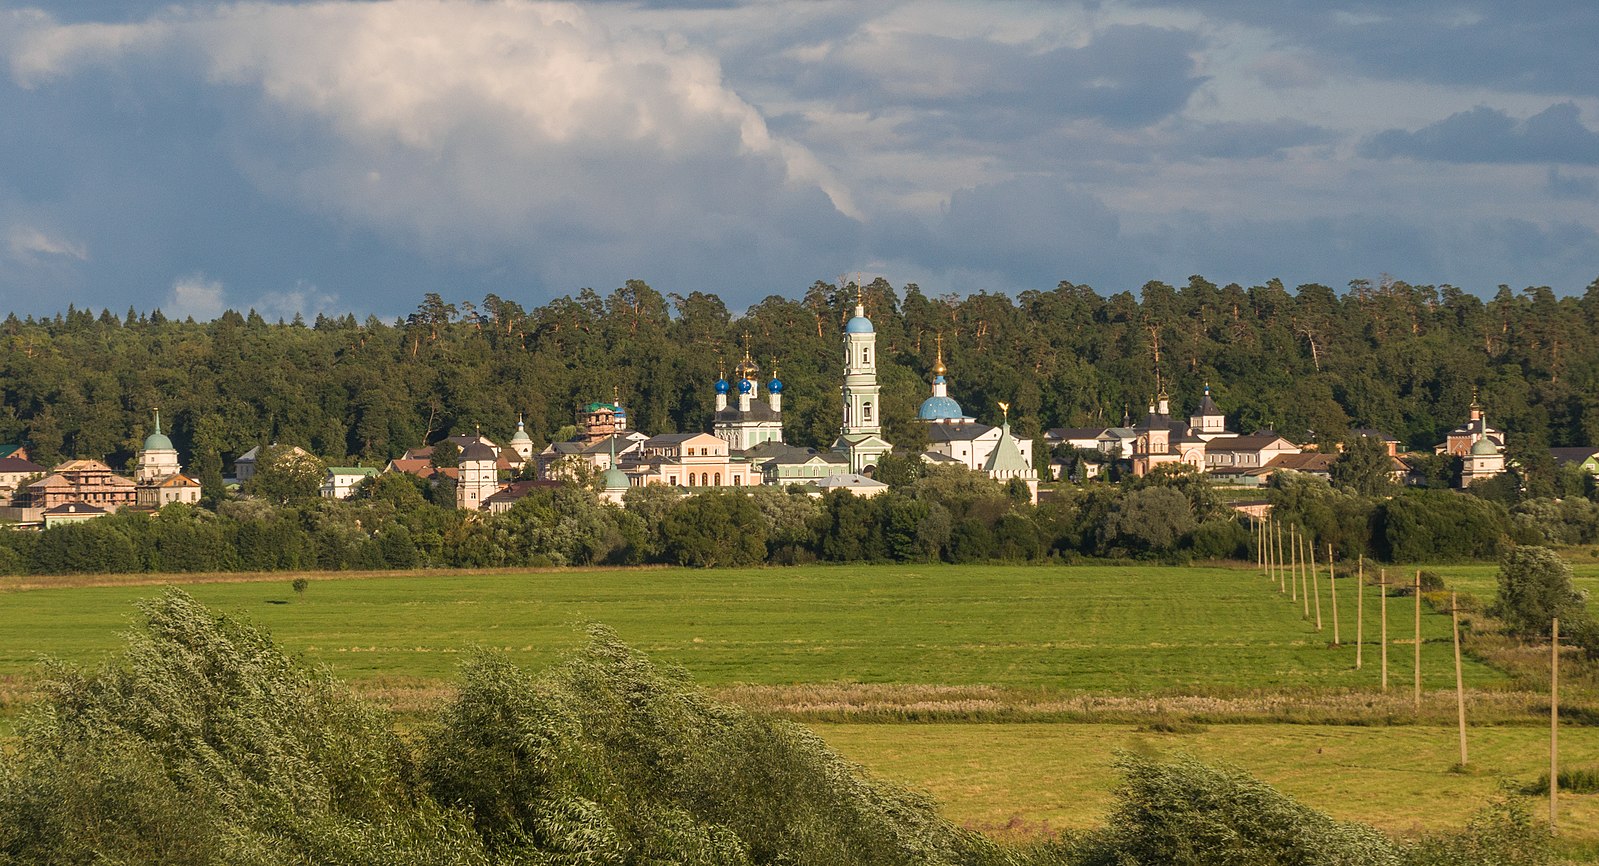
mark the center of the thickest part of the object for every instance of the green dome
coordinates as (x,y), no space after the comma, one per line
(158,441)
(1484,447)
(615,479)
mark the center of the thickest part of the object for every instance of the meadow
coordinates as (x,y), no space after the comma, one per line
(1125,629)
(1108,648)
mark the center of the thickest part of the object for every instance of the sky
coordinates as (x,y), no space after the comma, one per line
(350,156)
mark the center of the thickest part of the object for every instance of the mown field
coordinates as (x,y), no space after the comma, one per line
(1122,629)
(1087,643)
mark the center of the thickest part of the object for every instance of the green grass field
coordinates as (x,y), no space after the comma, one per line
(1027,779)
(1123,629)
(1160,635)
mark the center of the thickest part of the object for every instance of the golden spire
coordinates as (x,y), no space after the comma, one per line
(938,368)
(1005,408)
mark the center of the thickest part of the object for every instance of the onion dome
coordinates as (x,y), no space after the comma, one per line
(939,408)
(157,441)
(722,387)
(746,368)
(745,386)
(859,324)
(775,386)
(520,435)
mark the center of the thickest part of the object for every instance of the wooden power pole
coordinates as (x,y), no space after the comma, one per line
(1460,680)
(1417,667)
(1382,590)
(1332,587)
(1554,721)
(1360,611)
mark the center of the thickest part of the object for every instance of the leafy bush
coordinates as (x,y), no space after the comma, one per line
(1185,813)
(203,743)
(1534,588)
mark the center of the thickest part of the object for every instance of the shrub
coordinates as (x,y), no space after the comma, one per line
(205,744)
(1534,588)
(1185,813)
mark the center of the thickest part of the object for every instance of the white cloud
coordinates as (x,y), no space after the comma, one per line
(29,244)
(482,131)
(197,297)
(304,300)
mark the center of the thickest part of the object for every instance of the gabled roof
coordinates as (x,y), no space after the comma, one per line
(958,432)
(82,465)
(17,464)
(79,508)
(759,410)
(518,489)
(352,470)
(1309,461)
(50,481)
(1373,433)
(10,449)
(1253,442)
(849,481)
(176,479)
(1564,455)
(1061,433)
(937,457)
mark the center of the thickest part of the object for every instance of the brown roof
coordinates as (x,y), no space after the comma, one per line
(75,508)
(1254,442)
(17,464)
(1310,461)
(518,489)
(82,465)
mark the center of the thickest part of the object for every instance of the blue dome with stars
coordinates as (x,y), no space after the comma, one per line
(940,409)
(775,386)
(745,386)
(722,387)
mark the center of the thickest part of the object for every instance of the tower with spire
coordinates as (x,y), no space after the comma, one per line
(159,458)
(1006,462)
(1207,421)
(158,475)
(861,437)
(521,443)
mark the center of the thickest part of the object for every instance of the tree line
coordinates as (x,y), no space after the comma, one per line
(1311,363)
(929,514)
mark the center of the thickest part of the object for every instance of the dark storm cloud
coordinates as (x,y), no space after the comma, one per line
(1484,134)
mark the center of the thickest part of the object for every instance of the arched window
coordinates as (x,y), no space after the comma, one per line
(866,356)
(705,479)
(738,481)
(866,410)
(718,479)
(691,479)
